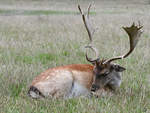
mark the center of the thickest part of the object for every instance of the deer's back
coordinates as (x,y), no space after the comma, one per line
(58,81)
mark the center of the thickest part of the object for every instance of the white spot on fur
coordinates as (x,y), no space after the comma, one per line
(48,77)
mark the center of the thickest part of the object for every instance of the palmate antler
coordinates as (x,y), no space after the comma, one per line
(90,31)
(134,32)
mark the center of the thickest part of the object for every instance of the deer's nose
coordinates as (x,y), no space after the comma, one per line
(94,87)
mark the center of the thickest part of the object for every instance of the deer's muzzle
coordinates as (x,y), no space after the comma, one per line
(94,87)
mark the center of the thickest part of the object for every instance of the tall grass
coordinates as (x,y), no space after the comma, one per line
(31,44)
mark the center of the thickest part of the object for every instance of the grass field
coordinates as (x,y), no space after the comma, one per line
(35,36)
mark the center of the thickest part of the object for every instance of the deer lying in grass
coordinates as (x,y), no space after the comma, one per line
(80,79)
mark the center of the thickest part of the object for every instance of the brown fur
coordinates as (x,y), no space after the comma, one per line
(75,67)
(57,82)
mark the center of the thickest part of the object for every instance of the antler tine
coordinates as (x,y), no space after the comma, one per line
(90,33)
(89,11)
(86,22)
(96,54)
(134,33)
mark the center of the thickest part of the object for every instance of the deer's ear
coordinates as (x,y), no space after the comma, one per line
(118,68)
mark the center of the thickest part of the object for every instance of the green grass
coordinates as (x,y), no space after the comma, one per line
(42,57)
(31,42)
(38,12)
(78,105)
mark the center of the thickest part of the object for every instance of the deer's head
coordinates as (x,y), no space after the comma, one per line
(106,72)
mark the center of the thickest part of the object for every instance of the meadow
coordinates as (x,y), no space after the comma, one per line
(36,35)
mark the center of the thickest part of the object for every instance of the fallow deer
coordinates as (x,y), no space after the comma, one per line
(81,79)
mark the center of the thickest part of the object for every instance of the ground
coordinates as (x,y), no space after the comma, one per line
(35,36)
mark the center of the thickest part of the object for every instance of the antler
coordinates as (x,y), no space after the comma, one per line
(90,33)
(134,33)
(96,54)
